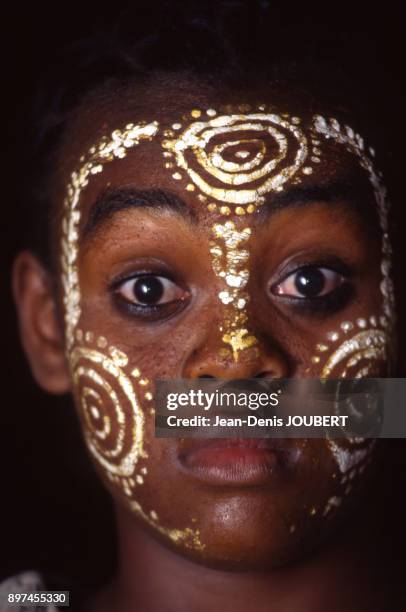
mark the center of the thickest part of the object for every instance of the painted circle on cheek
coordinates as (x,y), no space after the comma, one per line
(113,420)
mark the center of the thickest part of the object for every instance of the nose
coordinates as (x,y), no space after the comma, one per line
(259,361)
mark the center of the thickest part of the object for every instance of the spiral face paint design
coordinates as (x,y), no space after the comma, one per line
(108,390)
(232,160)
(236,159)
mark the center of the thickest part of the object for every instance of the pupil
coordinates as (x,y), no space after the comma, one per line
(310,282)
(148,290)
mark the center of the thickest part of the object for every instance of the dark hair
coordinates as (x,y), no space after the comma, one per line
(228,42)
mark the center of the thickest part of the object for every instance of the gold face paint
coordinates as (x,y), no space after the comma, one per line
(234,160)
(237,159)
(363,345)
(231,161)
(229,264)
(103,381)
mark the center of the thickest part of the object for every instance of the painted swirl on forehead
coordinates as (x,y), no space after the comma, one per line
(238,158)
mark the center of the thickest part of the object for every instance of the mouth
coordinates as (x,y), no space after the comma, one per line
(238,461)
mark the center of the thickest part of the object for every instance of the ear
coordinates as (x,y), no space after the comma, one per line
(40,330)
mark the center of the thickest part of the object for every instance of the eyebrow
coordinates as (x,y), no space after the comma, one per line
(113,200)
(352,191)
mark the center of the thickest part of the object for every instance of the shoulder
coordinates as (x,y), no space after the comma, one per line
(26,582)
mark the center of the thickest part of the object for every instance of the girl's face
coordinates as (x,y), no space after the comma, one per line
(219,235)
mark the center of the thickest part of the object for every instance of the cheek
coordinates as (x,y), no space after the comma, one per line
(116,408)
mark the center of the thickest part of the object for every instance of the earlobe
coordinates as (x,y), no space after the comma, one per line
(40,331)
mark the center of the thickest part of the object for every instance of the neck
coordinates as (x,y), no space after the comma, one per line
(153,578)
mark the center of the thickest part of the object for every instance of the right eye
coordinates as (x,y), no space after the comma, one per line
(150,290)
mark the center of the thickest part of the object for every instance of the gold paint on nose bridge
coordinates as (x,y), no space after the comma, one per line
(230,261)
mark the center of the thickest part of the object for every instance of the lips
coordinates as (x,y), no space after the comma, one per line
(238,461)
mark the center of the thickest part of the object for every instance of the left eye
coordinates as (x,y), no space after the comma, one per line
(150,290)
(309,282)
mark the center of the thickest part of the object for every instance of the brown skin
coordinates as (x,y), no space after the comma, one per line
(242,528)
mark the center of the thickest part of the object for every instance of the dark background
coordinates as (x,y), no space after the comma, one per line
(55,517)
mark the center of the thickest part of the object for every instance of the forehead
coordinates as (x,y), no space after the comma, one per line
(219,149)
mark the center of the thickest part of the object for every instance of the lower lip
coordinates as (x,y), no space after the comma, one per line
(234,465)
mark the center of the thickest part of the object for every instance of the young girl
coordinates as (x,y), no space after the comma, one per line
(211,220)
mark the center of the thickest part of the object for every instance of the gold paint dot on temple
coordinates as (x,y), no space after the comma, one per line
(333,336)
(190,187)
(177,126)
(307,170)
(101,342)
(211,112)
(315,359)
(153,515)
(225,210)
(177,176)
(314,159)
(362,323)
(346,326)
(321,348)
(167,154)
(212,207)
(89,336)
(251,208)
(139,479)
(144,470)
(202,197)
(135,373)
(169,165)
(240,210)
(143,382)
(168,133)
(148,396)
(196,113)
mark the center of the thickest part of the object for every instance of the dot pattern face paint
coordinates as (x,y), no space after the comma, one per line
(234,160)
(231,159)
(108,389)
(108,149)
(365,344)
(238,158)
(230,264)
